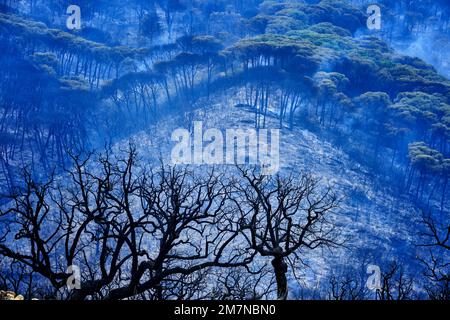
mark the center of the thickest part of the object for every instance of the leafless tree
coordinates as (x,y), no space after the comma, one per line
(16,277)
(395,284)
(436,238)
(131,231)
(438,234)
(240,284)
(346,287)
(281,217)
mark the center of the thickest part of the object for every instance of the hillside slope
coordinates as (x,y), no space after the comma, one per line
(378,224)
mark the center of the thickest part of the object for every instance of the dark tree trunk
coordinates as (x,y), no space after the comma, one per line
(280,269)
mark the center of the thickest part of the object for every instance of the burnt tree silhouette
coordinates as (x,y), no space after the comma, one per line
(395,284)
(282,216)
(436,238)
(131,231)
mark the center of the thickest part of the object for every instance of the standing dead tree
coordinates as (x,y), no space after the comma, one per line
(282,217)
(130,231)
(436,237)
(346,287)
(239,284)
(395,284)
